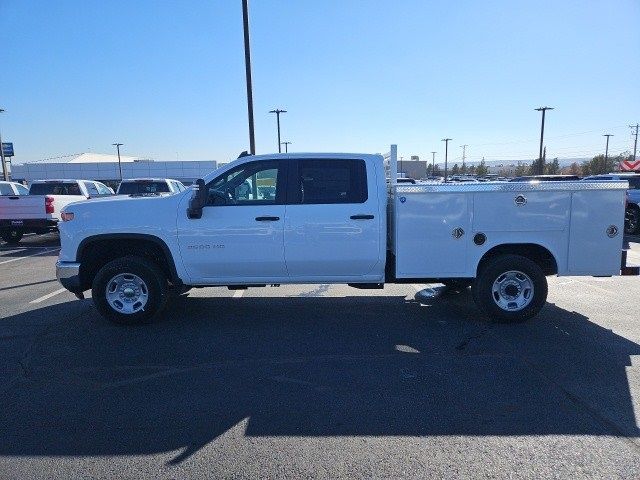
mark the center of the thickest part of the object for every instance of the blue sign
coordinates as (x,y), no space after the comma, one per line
(7,149)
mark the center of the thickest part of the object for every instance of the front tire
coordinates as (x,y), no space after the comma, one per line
(130,290)
(12,236)
(510,288)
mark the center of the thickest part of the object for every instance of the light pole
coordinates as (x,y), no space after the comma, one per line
(247,68)
(606,150)
(5,173)
(286,146)
(540,160)
(635,143)
(446,154)
(433,164)
(277,111)
(118,145)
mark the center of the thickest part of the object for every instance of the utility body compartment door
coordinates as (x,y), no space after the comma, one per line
(333,221)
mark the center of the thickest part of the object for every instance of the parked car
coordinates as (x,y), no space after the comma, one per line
(632,214)
(149,186)
(8,189)
(546,178)
(327,223)
(40,211)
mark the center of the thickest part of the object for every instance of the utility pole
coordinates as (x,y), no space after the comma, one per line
(635,143)
(247,68)
(606,150)
(401,171)
(540,159)
(446,155)
(286,146)
(277,111)
(5,172)
(118,145)
(464,154)
(433,164)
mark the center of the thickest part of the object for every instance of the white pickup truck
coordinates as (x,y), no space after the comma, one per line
(335,218)
(40,210)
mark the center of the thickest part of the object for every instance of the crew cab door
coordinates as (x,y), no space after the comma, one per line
(239,238)
(332,228)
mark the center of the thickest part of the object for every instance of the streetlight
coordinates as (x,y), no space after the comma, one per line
(118,145)
(446,154)
(5,172)
(433,164)
(540,161)
(247,68)
(606,150)
(277,111)
(286,146)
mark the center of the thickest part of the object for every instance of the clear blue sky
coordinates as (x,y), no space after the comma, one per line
(166,78)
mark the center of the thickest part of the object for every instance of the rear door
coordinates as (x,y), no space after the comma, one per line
(332,225)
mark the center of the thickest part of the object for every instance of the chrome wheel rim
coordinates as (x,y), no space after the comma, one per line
(127,293)
(512,291)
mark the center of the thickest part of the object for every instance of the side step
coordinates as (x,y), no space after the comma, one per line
(367,286)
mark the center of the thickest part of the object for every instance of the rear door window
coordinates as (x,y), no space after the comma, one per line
(136,188)
(326,181)
(5,189)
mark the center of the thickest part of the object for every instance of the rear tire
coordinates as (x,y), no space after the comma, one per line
(12,236)
(510,288)
(130,290)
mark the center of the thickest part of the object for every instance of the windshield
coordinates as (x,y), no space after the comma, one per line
(55,188)
(133,188)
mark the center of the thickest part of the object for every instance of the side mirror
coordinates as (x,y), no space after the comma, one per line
(198,201)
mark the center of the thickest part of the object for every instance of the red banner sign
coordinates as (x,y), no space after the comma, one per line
(630,166)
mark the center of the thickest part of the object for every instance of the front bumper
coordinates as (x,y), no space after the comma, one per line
(68,274)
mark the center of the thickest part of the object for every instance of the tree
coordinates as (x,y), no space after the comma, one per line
(436,170)
(471,170)
(463,169)
(482,169)
(455,170)
(574,169)
(521,169)
(552,168)
(598,165)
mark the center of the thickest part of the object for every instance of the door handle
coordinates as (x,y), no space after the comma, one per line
(361,217)
(267,219)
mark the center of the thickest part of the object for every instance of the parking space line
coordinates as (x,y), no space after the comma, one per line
(48,296)
(27,256)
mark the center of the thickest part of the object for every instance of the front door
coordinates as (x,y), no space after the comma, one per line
(239,238)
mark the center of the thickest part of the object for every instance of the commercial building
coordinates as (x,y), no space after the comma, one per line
(104,168)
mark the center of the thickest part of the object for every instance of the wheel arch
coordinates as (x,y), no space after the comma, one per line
(97,250)
(533,251)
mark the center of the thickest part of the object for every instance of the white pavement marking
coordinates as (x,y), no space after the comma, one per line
(48,296)
(238,294)
(27,256)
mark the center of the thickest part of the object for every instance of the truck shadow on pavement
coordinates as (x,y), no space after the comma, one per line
(315,366)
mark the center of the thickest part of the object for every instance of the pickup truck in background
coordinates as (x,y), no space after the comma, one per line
(149,186)
(40,211)
(12,189)
(335,218)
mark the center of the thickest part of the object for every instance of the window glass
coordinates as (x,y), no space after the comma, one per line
(142,187)
(91,189)
(332,181)
(55,188)
(103,189)
(5,189)
(634,183)
(254,183)
(22,190)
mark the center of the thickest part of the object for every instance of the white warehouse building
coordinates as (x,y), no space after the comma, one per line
(104,168)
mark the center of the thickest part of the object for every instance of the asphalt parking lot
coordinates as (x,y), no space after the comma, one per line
(317,381)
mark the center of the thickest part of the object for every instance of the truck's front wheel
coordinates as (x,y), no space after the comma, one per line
(129,290)
(12,236)
(510,288)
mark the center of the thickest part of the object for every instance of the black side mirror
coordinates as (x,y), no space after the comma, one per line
(198,201)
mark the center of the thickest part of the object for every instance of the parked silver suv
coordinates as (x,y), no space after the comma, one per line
(632,214)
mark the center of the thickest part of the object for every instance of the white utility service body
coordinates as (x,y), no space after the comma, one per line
(337,218)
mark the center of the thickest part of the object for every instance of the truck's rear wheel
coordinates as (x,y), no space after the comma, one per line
(510,288)
(129,290)
(12,236)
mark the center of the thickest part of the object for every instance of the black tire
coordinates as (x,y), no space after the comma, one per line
(632,220)
(155,285)
(498,267)
(13,236)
